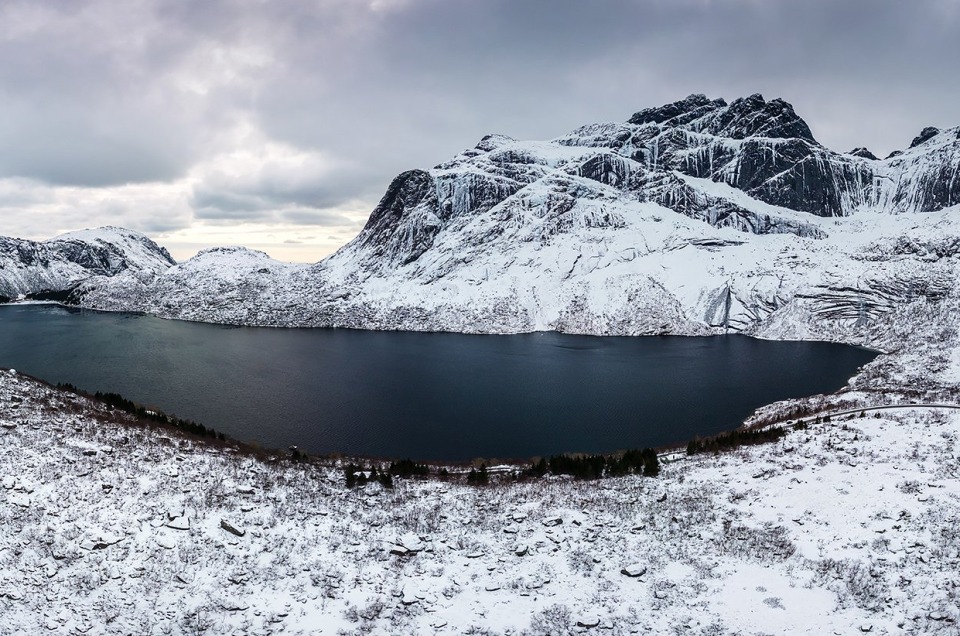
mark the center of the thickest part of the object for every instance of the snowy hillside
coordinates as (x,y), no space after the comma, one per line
(56,265)
(112,526)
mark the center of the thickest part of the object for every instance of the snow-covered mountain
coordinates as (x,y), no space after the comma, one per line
(695,217)
(48,268)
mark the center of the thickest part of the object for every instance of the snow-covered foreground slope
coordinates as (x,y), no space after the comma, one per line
(109,526)
(57,265)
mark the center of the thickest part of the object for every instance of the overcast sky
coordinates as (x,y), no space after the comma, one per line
(279,124)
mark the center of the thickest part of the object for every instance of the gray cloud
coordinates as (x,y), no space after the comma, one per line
(98,93)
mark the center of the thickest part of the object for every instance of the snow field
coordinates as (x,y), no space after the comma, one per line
(109,526)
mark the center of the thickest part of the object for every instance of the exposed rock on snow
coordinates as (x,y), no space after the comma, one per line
(634,571)
(232,528)
(179,523)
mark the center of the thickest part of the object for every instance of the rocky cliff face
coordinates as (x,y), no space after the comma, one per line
(700,216)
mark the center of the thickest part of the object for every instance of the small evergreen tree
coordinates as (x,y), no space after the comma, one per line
(350,474)
(482,477)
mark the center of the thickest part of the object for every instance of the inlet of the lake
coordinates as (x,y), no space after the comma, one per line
(427,396)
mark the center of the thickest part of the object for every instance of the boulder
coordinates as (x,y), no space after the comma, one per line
(635,570)
(234,529)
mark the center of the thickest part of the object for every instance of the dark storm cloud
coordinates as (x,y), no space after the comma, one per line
(101,93)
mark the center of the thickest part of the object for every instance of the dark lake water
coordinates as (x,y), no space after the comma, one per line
(424,396)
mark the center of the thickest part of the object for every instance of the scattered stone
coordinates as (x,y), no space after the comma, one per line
(475,554)
(245,490)
(100,543)
(22,501)
(588,621)
(166,543)
(552,521)
(634,571)
(238,578)
(179,523)
(492,587)
(521,549)
(232,529)
(234,605)
(411,543)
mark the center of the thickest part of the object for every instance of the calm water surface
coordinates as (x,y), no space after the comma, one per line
(425,396)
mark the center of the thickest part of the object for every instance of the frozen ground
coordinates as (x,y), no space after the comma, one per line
(110,526)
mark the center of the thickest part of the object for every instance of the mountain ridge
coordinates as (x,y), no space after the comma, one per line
(657,227)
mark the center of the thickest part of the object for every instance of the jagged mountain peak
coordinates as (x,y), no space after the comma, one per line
(679,112)
(863,153)
(493,141)
(925,135)
(742,118)
(754,117)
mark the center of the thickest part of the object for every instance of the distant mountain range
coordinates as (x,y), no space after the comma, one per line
(695,217)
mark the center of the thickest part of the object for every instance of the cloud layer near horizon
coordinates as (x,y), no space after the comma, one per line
(284,121)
